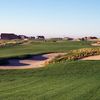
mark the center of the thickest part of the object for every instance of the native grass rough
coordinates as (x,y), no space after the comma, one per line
(78,54)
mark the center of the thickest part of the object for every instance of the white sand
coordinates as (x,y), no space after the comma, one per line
(92,58)
(35,62)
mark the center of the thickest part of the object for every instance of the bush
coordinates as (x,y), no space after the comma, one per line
(78,54)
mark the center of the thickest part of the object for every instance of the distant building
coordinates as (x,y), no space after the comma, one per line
(23,37)
(92,38)
(88,38)
(9,36)
(32,37)
(67,38)
(41,37)
(26,37)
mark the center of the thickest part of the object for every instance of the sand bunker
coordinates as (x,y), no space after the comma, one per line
(34,62)
(95,44)
(92,58)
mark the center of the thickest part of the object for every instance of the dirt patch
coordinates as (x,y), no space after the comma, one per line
(36,61)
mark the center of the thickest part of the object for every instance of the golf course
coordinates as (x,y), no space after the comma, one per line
(62,79)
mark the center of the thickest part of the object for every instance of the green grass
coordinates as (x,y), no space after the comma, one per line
(78,80)
(41,47)
(71,80)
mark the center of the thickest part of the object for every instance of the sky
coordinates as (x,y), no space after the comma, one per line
(52,18)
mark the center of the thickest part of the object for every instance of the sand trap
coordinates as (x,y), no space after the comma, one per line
(34,62)
(92,58)
(95,44)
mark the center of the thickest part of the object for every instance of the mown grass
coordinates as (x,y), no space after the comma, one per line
(41,47)
(71,80)
(76,80)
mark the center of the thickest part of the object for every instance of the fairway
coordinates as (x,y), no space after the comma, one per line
(42,47)
(67,80)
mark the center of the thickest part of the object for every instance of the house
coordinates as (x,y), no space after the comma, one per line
(32,37)
(9,36)
(40,37)
(91,38)
(23,37)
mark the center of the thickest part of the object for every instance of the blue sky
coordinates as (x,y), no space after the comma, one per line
(50,17)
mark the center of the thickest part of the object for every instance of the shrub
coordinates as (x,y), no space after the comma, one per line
(78,54)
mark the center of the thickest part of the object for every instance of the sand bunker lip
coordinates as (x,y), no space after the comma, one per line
(97,57)
(36,61)
(95,44)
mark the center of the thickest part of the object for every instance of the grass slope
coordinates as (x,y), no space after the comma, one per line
(77,80)
(74,80)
